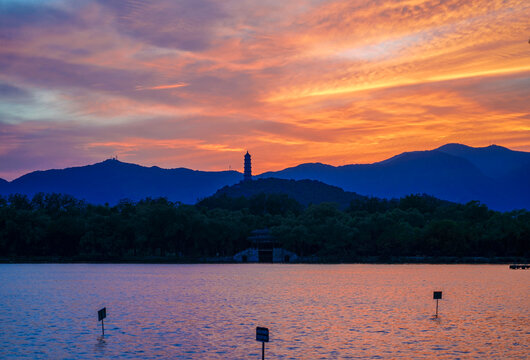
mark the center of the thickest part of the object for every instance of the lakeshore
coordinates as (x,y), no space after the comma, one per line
(229,260)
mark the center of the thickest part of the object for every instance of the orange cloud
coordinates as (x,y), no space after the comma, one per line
(161,87)
(195,84)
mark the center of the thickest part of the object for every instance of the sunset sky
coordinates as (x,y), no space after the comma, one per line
(196,83)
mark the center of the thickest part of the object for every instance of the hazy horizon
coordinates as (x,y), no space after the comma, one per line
(238,169)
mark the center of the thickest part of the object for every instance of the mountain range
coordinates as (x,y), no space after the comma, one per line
(111,181)
(494,175)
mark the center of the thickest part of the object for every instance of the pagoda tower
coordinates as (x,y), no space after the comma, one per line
(248,168)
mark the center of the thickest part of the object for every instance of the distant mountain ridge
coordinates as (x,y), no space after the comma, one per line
(494,161)
(415,172)
(494,175)
(452,172)
(111,181)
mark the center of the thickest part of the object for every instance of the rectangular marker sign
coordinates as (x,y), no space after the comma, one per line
(262,334)
(102,314)
(437,295)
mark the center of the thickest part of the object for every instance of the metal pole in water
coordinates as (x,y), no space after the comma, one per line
(262,334)
(437,295)
(102,314)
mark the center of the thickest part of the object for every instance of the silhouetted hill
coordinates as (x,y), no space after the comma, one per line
(304,191)
(437,173)
(496,176)
(113,180)
(494,161)
(3,185)
(434,173)
(517,187)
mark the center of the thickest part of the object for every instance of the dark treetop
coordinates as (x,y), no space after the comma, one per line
(414,226)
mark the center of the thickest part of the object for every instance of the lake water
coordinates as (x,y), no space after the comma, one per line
(49,311)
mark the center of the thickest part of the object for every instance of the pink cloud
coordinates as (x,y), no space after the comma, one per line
(191,83)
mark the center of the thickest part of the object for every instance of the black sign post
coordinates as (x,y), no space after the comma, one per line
(102,314)
(437,295)
(262,334)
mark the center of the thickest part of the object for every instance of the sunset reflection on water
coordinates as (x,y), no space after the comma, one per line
(312,311)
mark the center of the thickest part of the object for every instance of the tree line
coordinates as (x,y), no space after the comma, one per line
(417,225)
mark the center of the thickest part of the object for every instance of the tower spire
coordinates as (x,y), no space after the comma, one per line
(248,168)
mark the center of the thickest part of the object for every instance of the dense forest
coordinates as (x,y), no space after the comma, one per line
(60,226)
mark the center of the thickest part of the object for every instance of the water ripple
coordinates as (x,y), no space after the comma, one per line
(313,311)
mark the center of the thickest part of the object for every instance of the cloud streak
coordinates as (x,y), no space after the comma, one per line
(161,87)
